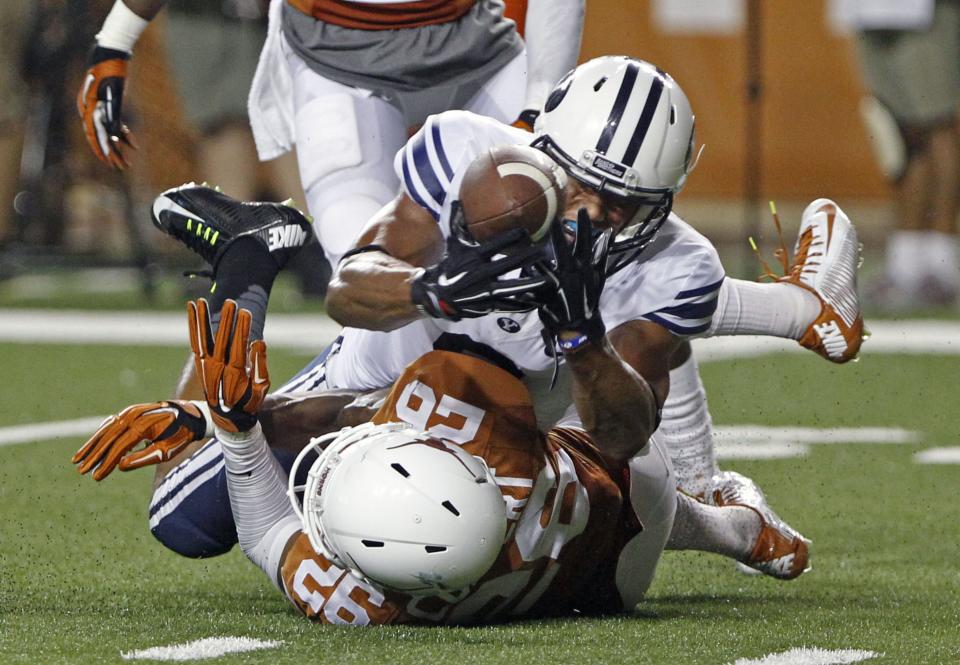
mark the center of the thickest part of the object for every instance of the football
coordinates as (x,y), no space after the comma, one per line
(508,187)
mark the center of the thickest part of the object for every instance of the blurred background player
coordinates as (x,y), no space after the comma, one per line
(346,81)
(14,17)
(910,57)
(213,48)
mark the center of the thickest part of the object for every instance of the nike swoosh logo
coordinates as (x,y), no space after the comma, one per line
(443,280)
(165,204)
(256,371)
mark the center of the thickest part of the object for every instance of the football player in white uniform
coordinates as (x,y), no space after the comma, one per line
(623,131)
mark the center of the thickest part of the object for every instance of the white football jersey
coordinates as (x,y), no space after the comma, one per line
(673,283)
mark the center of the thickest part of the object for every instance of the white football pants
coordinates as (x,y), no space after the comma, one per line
(347,137)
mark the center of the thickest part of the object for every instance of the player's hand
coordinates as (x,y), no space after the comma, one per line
(467,283)
(166,427)
(232,369)
(572,313)
(100,102)
(527,119)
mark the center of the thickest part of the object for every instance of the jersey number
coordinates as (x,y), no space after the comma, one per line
(418,402)
(339,608)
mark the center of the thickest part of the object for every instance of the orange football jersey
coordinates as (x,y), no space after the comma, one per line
(566,511)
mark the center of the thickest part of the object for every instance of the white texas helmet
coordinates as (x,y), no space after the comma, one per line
(406,511)
(623,127)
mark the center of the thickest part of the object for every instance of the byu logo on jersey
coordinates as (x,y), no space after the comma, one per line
(508,325)
(288,235)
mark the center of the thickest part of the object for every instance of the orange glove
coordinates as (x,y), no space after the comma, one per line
(168,426)
(232,372)
(526,119)
(99,103)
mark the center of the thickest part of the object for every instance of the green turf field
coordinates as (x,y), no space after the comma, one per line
(82,580)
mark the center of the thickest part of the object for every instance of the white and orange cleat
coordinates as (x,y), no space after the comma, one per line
(825,262)
(780,551)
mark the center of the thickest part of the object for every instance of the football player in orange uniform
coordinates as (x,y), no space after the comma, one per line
(345,82)
(451,506)
(465,512)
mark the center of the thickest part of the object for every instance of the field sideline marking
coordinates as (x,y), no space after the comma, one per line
(733,441)
(810,656)
(311,332)
(208,647)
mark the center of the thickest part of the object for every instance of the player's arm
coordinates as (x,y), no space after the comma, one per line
(553,30)
(651,350)
(100,98)
(371,288)
(616,404)
(235,380)
(165,428)
(381,284)
(290,421)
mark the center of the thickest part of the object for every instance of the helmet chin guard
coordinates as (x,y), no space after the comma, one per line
(403,510)
(624,128)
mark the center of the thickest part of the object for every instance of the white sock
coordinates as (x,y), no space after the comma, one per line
(731,530)
(749,308)
(906,260)
(941,262)
(686,430)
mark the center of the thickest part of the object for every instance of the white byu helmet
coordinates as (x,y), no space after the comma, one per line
(404,510)
(623,127)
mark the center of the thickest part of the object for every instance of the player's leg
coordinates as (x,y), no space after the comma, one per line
(652,491)
(916,75)
(246,246)
(816,302)
(346,140)
(502,95)
(686,433)
(738,524)
(686,430)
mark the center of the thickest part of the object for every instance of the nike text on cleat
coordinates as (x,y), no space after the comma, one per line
(779,550)
(208,221)
(825,262)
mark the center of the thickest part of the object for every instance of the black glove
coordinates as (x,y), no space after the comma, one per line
(578,276)
(466,283)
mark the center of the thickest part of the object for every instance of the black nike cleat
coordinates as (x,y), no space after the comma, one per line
(208,221)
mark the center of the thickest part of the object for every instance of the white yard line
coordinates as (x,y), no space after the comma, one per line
(209,647)
(759,451)
(10,436)
(734,434)
(810,656)
(758,442)
(938,456)
(297,331)
(313,332)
